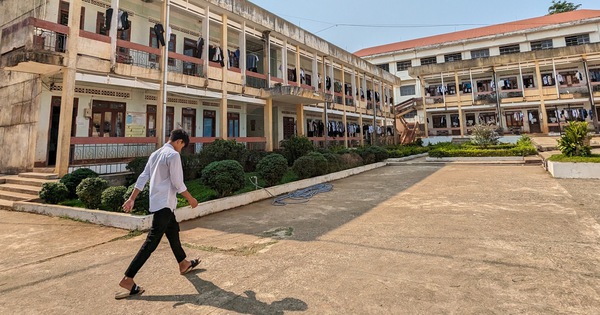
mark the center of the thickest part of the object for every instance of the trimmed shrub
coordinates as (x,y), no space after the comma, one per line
(192,165)
(272,168)
(53,193)
(320,163)
(90,191)
(113,198)
(136,166)
(221,150)
(73,179)
(351,160)
(334,162)
(225,177)
(251,159)
(296,147)
(575,141)
(373,154)
(484,135)
(142,202)
(304,167)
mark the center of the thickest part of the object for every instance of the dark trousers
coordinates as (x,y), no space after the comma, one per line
(163,222)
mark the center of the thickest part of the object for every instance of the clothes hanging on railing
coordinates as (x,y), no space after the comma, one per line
(159,31)
(252,62)
(199,47)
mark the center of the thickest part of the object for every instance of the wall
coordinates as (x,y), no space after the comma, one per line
(19,107)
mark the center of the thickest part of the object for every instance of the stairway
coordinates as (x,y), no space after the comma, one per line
(22,187)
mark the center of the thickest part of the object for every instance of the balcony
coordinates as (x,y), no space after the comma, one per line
(33,46)
(296,94)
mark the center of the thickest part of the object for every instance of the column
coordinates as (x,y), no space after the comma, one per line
(344,121)
(284,61)
(543,114)
(112,33)
(298,65)
(68,91)
(268,127)
(315,72)
(360,123)
(243,52)
(460,113)
(425,123)
(225,72)
(300,121)
(206,36)
(161,100)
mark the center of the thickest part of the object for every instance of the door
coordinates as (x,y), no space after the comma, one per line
(534,121)
(209,122)
(189,49)
(54,125)
(289,127)
(188,124)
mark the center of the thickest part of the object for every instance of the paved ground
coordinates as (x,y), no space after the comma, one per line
(426,239)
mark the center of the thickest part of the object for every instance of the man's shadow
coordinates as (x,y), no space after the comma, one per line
(211,295)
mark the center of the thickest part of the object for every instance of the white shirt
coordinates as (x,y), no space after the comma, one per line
(165,173)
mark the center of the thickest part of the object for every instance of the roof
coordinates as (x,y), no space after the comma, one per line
(497,29)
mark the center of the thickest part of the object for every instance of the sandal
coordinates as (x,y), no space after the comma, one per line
(135,290)
(194,263)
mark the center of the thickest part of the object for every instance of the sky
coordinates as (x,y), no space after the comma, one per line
(354,24)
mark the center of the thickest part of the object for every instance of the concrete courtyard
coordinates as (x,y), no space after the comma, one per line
(412,239)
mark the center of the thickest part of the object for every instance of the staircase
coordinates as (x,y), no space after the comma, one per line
(22,187)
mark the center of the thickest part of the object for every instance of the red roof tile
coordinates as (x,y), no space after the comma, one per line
(482,31)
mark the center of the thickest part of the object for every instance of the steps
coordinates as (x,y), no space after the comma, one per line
(22,187)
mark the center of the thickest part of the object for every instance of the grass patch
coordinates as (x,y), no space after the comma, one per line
(594,158)
(64,217)
(72,203)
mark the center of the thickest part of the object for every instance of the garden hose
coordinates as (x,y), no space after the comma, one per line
(298,196)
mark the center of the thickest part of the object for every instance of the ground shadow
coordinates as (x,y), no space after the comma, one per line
(210,294)
(350,198)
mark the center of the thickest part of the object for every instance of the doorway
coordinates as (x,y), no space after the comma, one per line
(188,124)
(208,122)
(534,121)
(54,127)
(289,127)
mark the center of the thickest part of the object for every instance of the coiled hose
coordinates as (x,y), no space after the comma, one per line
(296,197)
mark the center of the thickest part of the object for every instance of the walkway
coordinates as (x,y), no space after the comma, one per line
(410,239)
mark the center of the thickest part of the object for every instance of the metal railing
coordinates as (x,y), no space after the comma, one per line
(93,150)
(256,80)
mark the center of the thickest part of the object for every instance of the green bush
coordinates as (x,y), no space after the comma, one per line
(351,160)
(251,159)
(72,180)
(402,151)
(304,167)
(113,198)
(484,135)
(142,202)
(334,162)
(136,166)
(53,193)
(296,147)
(373,154)
(575,141)
(272,168)
(320,163)
(225,177)
(221,150)
(192,165)
(90,191)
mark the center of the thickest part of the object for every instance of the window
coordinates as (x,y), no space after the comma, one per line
(569,78)
(172,45)
(542,44)
(528,81)
(470,118)
(100,27)
(595,75)
(209,120)
(547,79)
(233,125)
(428,61)
(514,119)
(108,119)
(407,90)
(153,42)
(439,121)
(509,83)
(481,53)
(403,65)
(190,49)
(150,120)
(385,66)
(455,121)
(170,121)
(577,40)
(453,57)
(510,49)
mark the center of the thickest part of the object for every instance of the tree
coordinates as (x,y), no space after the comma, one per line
(559,6)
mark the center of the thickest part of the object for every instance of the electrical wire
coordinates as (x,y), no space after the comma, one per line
(296,197)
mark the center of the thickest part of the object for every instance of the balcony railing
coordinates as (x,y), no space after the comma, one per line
(96,150)
(256,80)
(186,64)
(138,55)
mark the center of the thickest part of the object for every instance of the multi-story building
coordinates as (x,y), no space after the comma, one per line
(98,82)
(531,76)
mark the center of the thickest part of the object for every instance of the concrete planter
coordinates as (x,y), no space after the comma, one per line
(574,170)
(133,222)
(477,159)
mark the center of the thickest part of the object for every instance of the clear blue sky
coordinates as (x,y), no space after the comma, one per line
(399,20)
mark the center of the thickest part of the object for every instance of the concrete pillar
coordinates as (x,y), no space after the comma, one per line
(243,52)
(360,123)
(300,123)
(298,65)
(206,36)
(161,101)
(284,62)
(68,91)
(113,34)
(344,103)
(425,123)
(315,72)
(460,113)
(225,72)
(543,114)
(268,127)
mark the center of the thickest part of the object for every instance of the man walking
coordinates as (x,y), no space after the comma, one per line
(165,173)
